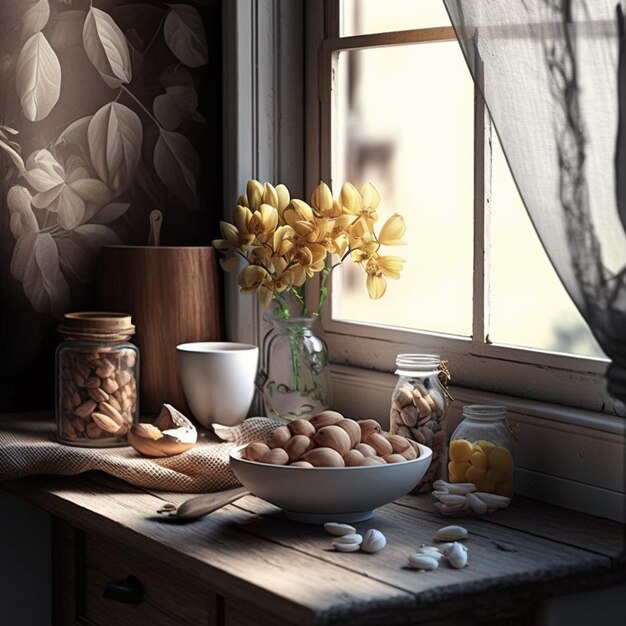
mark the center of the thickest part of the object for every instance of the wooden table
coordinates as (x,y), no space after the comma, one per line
(248,565)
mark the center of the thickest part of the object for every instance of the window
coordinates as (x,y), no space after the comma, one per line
(398,107)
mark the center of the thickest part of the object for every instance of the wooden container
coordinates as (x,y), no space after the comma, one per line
(173,295)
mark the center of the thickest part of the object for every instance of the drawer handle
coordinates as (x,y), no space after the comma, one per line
(129,591)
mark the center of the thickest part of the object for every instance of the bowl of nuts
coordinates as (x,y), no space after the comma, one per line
(330,468)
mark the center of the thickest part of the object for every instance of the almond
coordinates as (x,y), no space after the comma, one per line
(333,437)
(367,428)
(85,409)
(301,427)
(105,422)
(380,444)
(255,451)
(325,418)
(279,437)
(353,429)
(276,456)
(110,411)
(98,394)
(297,446)
(324,457)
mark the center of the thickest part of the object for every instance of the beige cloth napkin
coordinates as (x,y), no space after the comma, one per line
(29,447)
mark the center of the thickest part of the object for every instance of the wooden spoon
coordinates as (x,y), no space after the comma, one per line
(208,502)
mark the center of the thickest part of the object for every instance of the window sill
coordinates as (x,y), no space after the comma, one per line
(569,457)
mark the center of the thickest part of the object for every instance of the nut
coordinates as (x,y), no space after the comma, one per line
(255,451)
(172,433)
(325,418)
(301,427)
(353,458)
(324,457)
(276,456)
(365,449)
(380,444)
(297,446)
(353,429)
(279,437)
(106,423)
(97,394)
(333,437)
(368,427)
(85,409)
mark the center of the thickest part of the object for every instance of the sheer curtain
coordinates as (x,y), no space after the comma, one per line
(553,74)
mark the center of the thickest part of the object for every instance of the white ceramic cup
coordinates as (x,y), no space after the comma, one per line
(218,380)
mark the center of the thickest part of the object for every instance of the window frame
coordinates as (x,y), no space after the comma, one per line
(476,363)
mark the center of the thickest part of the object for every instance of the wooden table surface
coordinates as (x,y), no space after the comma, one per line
(251,553)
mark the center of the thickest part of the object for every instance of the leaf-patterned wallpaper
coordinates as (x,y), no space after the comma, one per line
(108,109)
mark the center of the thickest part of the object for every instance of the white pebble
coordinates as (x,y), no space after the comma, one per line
(373,541)
(423,562)
(451,533)
(353,538)
(345,547)
(339,529)
(457,555)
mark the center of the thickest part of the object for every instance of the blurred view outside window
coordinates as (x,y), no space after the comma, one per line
(405,122)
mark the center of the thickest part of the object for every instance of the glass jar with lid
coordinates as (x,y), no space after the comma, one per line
(97,373)
(481,450)
(418,409)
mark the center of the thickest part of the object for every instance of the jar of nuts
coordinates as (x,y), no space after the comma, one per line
(481,450)
(96,380)
(418,408)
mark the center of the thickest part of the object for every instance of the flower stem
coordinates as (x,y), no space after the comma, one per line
(141,105)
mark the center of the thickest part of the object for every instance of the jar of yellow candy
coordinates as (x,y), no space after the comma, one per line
(481,450)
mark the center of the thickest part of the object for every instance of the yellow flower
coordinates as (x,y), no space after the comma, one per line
(282,194)
(379,267)
(392,231)
(371,198)
(270,196)
(263,223)
(323,203)
(254,193)
(297,211)
(351,199)
(242,218)
(233,237)
(251,278)
(281,241)
(311,257)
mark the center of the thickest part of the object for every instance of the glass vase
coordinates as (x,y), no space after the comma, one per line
(294,377)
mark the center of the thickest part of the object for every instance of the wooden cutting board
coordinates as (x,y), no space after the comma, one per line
(174,297)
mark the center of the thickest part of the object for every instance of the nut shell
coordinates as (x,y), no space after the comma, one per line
(297,446)
(255,451)
(301,427)
(353,458)
(368,427)
(333,437)
(279,437)
(324,457)
(353,429)
(380,444)
(325,418)
(276,456)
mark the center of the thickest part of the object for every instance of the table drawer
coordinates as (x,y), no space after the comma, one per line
(164,595)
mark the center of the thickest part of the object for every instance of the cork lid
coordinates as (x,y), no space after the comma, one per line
(97,326)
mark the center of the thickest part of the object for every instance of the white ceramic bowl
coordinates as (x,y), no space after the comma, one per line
(330,494)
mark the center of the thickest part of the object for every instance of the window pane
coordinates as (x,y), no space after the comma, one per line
(529,305)
(405,123)
(362,17)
